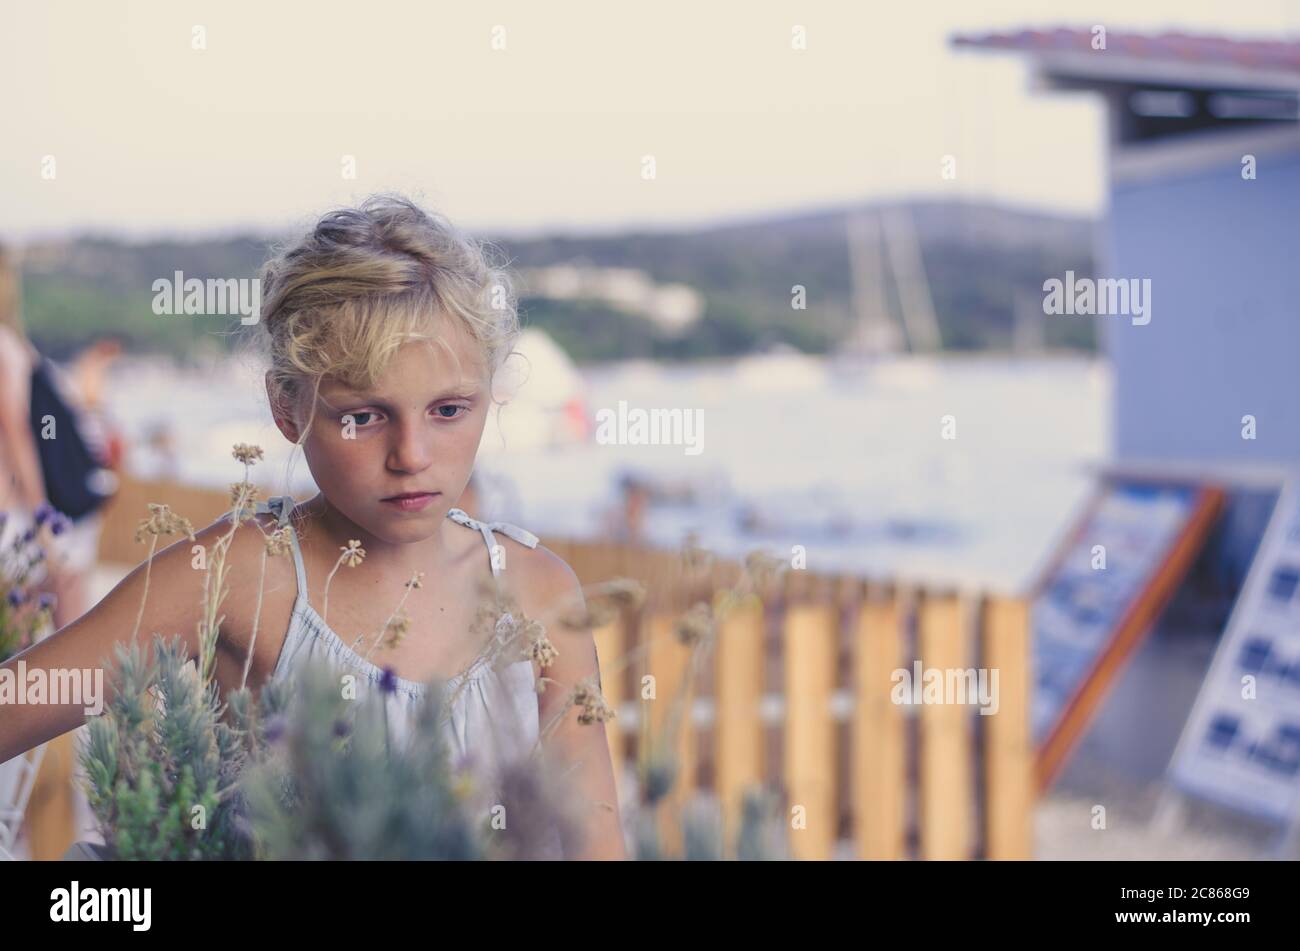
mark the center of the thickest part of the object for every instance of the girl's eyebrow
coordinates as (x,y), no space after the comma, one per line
(467,389)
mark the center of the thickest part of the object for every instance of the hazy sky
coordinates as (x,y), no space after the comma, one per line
(150,135)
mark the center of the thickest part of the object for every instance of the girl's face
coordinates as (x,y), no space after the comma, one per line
(416,431)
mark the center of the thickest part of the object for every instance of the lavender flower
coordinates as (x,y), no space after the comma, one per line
(59,523)
(43,513)
(16,597)
(388,682)
(274,728)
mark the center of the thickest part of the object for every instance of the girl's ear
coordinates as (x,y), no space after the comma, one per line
(279,412)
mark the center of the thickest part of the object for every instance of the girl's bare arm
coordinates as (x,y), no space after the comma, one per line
(173,605)
(580,749)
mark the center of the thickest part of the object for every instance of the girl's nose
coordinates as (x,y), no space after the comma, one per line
(412,449)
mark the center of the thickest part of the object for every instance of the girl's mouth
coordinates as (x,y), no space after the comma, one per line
(411,501)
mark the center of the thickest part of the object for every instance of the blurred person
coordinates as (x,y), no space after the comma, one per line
(635,497)
(21,486)
(62,470)
(88,375)
(82,388)
(163,448)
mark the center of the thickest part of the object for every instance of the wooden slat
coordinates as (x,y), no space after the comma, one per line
(946,772)
(810,637)
(51,818)
(1009,749)
(879,730)
(609,649)
(738,729)
(666,661)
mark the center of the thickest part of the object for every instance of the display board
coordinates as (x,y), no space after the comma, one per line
(1111,578)
(1241,745)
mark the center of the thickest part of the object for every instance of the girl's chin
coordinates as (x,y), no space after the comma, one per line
(407,526)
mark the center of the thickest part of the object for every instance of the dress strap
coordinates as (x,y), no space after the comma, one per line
(276,506)
(521,535)
(281,506)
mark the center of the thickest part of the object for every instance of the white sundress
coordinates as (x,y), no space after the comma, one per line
(495,715)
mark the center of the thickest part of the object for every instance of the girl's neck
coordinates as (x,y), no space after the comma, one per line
(335,530)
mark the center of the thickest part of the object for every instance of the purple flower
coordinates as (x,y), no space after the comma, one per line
(341,728)
(388,682)
(29,535)
(60,523)
(16,597)
(47,601)
(274,728)
(43,513)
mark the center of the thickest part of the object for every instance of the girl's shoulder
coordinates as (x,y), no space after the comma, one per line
(176,551)
(542,581)
(252,537)
(241,548)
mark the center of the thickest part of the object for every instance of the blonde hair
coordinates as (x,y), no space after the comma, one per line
(340,300)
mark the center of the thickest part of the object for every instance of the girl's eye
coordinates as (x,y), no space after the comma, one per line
(366,417)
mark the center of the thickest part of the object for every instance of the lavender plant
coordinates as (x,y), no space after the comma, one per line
(336,789)
(163,762)
(24,614)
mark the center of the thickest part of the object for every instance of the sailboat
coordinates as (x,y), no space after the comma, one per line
(884,249)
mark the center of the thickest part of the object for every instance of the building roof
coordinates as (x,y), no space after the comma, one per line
(1179,57)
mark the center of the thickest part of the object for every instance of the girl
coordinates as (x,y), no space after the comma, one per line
(383,329)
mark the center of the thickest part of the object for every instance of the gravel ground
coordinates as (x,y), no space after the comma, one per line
(1138,825)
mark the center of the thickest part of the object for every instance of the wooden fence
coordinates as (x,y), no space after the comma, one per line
(796,693)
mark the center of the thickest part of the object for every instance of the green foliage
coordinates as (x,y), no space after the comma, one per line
(64,315)
(12,634)
(161,762)
(339,790)
(758,837)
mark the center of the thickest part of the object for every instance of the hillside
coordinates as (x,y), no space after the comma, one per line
(977,259)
